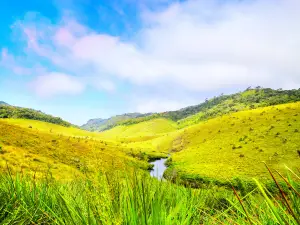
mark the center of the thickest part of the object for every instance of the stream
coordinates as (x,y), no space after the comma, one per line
(159,168)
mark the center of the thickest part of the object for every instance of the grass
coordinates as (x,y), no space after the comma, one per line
(142,131)
(236,145)
(135,198)
(66,157)
(57,175)
(218,149)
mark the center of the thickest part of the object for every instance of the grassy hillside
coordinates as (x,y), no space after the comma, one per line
(7,111)
(36,149)
(149,128)
(235,145)
(104,124)
(3,103)
(98,180)
(224,104)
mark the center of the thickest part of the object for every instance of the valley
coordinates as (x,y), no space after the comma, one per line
(201,154)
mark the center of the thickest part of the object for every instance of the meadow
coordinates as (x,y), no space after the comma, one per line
(115,198)
(53,174)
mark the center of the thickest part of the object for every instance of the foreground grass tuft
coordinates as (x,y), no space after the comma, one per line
(139,199)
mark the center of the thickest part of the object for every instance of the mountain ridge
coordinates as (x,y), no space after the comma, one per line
(251,98)
(3,103)
(99,124)
(16,112)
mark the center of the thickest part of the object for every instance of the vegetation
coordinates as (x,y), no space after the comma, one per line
(7,111)
(36,151)
(138,199)
(54,174)
(224,104)
(3,103)
(221,148)
(105,124)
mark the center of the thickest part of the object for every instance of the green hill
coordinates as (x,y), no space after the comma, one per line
(82,177)
(104,124)
(37,147)
(3,103)
(224,104)
(7,111)
(235,145)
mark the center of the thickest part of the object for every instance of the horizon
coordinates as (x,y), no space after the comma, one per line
(87,59)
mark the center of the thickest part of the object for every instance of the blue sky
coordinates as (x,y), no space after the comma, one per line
(84,59)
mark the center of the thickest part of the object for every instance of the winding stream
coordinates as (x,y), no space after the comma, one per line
(159,168)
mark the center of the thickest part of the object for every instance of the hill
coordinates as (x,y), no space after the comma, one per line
(224,104)
(38,148)
(235,145)
(3,103)
(7,111)
(104,124)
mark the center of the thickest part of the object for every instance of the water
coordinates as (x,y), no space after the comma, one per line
(159,168)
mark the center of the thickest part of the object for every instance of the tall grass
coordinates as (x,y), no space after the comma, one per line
(138,199)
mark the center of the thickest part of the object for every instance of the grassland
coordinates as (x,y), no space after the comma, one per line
(53,174)
(36,149)
(225,147)
(251,98)
(236,145)
(140,200)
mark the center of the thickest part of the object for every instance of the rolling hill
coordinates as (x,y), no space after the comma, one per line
(224,104)
(221,148)
(93,175)
(36,147)
(3,103)
(104,124)
(8,111)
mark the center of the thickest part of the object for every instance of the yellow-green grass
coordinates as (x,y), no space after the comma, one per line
(236,145)
(152,137)
(143,130)
(33,151)
(156,147)
(41,126)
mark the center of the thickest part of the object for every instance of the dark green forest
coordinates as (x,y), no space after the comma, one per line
(7,111)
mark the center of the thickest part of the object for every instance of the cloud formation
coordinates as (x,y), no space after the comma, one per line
(196,45)
(52,84)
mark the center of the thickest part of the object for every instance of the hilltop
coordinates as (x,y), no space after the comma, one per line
(104,124)
(3,103)
(251,98)
(8,111)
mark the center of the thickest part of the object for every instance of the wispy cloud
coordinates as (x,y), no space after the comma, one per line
(194,45)
(51,84)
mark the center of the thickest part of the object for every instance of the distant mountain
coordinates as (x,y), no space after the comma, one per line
(104,124)
(3,103)
(8,111)
(249,99)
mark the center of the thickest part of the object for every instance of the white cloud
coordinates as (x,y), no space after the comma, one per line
(52,84)
(195,45)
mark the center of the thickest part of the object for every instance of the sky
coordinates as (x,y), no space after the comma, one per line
(84,59)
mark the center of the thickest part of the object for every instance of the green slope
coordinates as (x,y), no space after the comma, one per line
(36,147)
(3,103)
(104,124)
(7,111)
(224,104)
(148,128)
(235,145)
